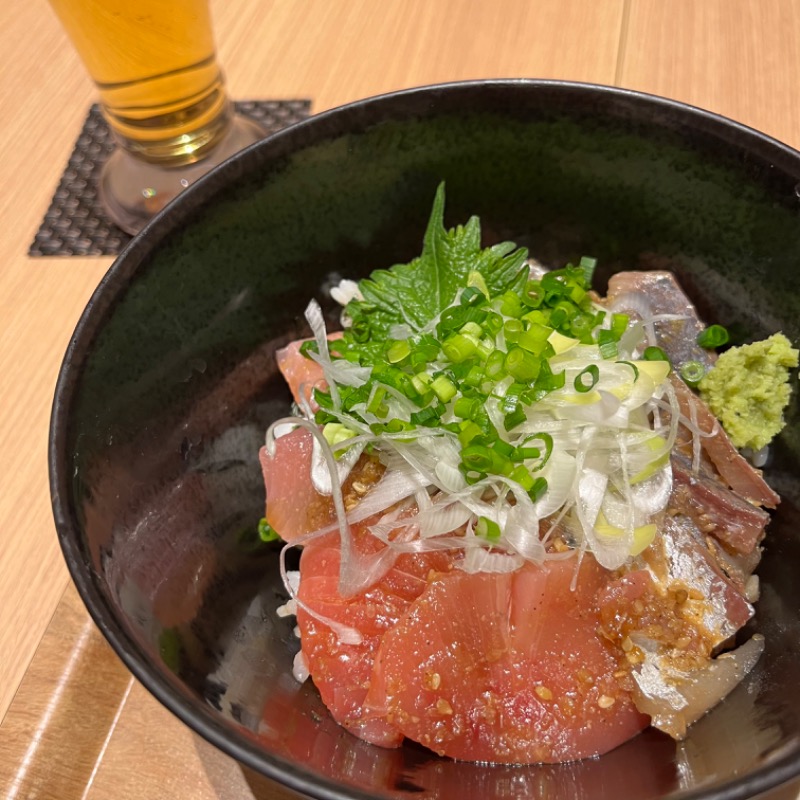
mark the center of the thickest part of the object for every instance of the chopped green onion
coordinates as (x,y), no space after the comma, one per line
(580,326)
(376,405)
(426,416)
(619,324)
(309,346)
(512,330)
(336,433)
(536,492)
(633,367)
(469,432)
(474,377)
(493,323)
(692,372)
(465,407)
(514,419)
(587,379)
(472,329)
(512,397)
(472,295)
(266,532)
(549,381)
(397,425)
(654,354)
(538,317)
(487,529)
(568,309)
(459,347)
(398,351)
(546,439)
(444,388)
(607,343)
(588,266)
(522,475)
(535,338)
(495,368)
(533,295)
(713,336)
(522,365)
(511,305)
(477,457)
(521,453)
(503,447)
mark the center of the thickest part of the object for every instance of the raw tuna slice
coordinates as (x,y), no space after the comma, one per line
(294,507)
(506,668)
(302,374)
(340,671)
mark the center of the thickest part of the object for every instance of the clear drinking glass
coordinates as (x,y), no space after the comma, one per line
(163,94)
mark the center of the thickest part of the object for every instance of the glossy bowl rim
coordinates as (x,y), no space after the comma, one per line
(121,274)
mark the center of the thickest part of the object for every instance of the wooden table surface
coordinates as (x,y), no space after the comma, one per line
(73,723)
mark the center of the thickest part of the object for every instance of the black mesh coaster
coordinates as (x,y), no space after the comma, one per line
(76,225)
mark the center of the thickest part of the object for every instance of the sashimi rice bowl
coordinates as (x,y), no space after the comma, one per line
(447,444)
(525,537)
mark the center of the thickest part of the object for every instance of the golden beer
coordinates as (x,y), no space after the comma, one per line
(155,66)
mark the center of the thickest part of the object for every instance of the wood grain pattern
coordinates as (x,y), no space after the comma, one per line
(73,723)
(340,51)
(39,304)
(56,732)
(740,58)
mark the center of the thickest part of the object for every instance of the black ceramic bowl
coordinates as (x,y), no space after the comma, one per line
(169,383)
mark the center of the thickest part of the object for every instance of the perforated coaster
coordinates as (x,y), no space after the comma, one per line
(76,225)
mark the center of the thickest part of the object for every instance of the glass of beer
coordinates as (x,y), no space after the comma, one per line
(163,95)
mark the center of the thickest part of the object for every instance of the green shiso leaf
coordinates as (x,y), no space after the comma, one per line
(415,293)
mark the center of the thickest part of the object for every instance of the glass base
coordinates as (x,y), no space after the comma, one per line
(133,191)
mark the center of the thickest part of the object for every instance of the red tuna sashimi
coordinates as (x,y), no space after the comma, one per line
(341,671)
(302,374)
(507,668)
(294,507)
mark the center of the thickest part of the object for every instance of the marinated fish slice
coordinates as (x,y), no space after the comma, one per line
(739,569)
(675,698)
(294,507)
(302,374)
(670,621)
(715,509)
(651,294)
(341,671)
(713,602)
(507,668)
(744,479)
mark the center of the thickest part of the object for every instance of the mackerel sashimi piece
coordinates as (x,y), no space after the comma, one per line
(341,671)
(658,294)
(506,668)
(715,509)
(733,468)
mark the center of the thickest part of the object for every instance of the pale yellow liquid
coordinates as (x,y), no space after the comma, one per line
(155,66)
